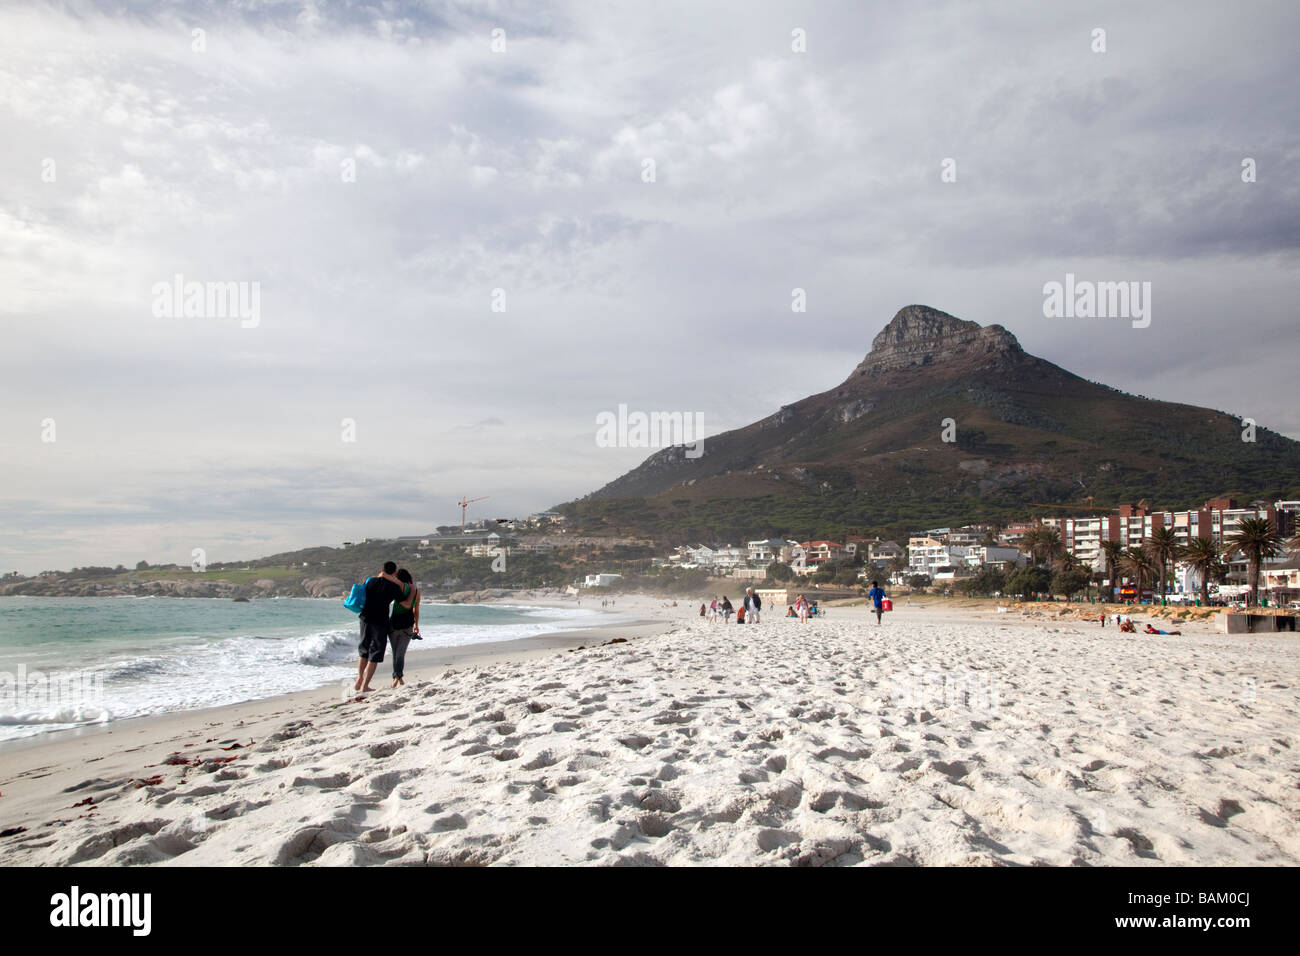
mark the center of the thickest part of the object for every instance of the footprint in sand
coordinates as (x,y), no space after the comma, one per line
(544,759)
(307,844)
(230,811)
(1219,818)
(659,800)
(654,824)
(1141,845)
(334,781)
(830,799)
(385,748)
(99,844)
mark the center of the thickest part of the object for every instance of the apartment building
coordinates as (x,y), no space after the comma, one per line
(703,556)
(882,552)
(926,554)
(766,551)
(1015,531)
(489,547)
(1218,519)
(967,537)
(981,554)
(1082,537)
(1282,580)
(819,552)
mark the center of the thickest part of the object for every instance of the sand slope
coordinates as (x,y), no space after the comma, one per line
(927,741)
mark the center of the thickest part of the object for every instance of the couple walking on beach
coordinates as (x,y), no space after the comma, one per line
(379,626)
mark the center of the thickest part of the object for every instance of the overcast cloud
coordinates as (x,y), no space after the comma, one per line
(521,170)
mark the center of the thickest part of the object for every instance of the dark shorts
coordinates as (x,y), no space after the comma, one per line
(373,641)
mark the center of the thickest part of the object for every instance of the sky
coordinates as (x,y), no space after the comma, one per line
(471,228)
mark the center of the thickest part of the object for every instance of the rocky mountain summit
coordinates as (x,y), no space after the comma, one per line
(918,336)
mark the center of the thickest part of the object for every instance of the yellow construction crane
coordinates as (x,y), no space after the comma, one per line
(464,505)
(1075,507)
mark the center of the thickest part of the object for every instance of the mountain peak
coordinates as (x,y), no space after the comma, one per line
(918,335)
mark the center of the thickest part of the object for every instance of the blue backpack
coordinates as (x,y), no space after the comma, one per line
(356,599)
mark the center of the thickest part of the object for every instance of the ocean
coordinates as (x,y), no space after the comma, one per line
(70,662)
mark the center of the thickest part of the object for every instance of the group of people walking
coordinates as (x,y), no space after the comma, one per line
(802,608)
(390,615)
(750,611)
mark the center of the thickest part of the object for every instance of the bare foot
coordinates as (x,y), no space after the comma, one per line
(367,689)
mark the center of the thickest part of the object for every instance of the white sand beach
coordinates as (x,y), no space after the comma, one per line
(942,737)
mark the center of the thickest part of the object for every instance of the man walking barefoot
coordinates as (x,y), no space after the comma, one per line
(753,606)
(381,591)
(877,596)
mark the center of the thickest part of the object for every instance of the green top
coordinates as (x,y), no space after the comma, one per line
(403,616)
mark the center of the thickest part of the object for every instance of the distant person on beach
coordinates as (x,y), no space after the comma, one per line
(753,605)
(713,610)
(877,595)
(726,608)
(404,624)
(801,605)
(703,609)
(381,591)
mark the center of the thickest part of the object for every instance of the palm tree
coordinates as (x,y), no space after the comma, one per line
(1032,542)
(1113,552)
(1202,555)
(1051,544)
(1163,548)
(1255,539)
(1138,564)
(1065,562)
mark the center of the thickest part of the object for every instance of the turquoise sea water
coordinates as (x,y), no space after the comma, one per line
(66,662)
